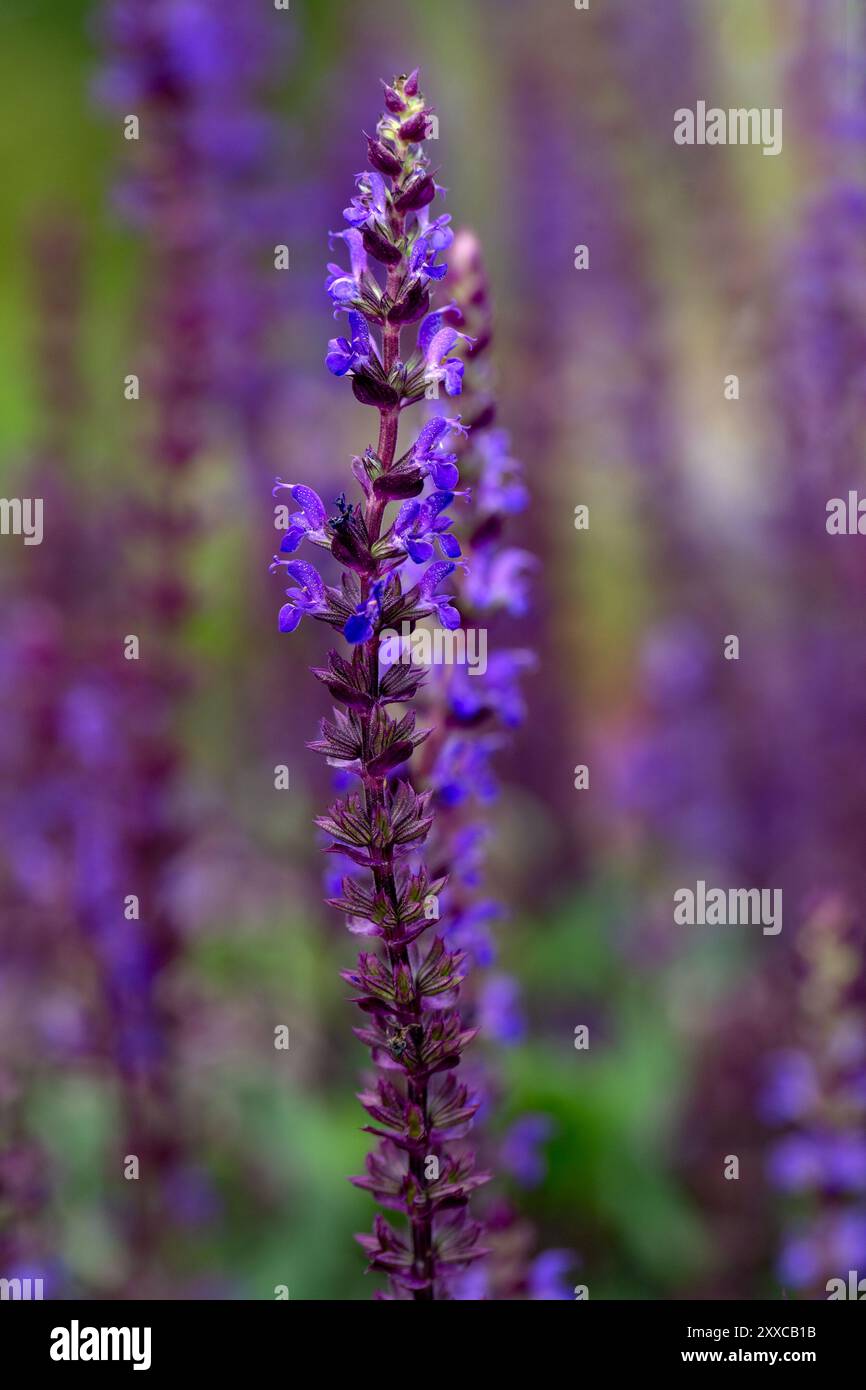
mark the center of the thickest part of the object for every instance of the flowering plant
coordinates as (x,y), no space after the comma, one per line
(407,989)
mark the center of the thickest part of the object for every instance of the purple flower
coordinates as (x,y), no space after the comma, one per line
(430,325)
(361,626)
(501,1011)
(821,1162)
(439,366)
(500,579)
(791,1089)
(440,604)
(498,692)
(309,522)
(835,1244)
(476,709)
(800,1261)
(307,598)
(436,237)
(421,523)
(344,354)
(795,1164)
(548,1276)
(343,288)
(469,927)
(408,990)
(521,1149)
(200,194)
(501,488)
(371,199)
(427,450)
(463,769)
(471,1286)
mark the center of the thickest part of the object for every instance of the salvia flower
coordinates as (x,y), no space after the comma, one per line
(474,714)
(309,522)
(346,353)
(307,596)
(394,572)
(421,524)
(439,366)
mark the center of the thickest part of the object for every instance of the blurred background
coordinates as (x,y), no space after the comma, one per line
(161,898)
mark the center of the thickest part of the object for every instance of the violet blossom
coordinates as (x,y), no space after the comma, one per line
(420,1110)
(475,714)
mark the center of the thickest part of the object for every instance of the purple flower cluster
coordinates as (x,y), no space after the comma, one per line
(190,74)
(474,717)
(816,1090)
(196,185)
(817,1081)
(419,1110)
(474,712)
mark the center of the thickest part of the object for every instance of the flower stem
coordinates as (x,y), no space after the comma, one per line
(421,1218)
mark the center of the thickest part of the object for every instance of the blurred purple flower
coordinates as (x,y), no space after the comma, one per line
(549,1274)
(521,1151)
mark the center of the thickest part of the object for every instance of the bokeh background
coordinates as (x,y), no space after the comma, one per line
(154,1035)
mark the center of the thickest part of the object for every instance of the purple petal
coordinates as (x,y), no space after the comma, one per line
(454,377)
(312,506)
(357,255)
(419,551)
(290,616)
(439,234)
(432,578)
(440,344)
(309,579)
(437,501)
(407,516)
(430,326)
(356,214)
(448,616)
(445,475)
(378,192)
(343,289)
(292,539)
(360,333)
(358,629)
(339,356)
(430,435)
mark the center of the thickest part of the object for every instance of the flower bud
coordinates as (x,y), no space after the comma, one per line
(412,304)
(349,549)
(370,390)
(414,129)
(417,193)
(399,483)
(383,159)
(393,100)
(380,247)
